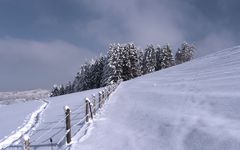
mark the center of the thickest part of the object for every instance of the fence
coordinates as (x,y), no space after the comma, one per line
(91,106)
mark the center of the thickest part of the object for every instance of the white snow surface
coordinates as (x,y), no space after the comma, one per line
(193,106)
(52,122)
(17,119)
(42,121)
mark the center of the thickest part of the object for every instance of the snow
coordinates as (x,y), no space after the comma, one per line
(66,108)
(193,106)
(26,137)
(52,122)
(11,120)
(20,96)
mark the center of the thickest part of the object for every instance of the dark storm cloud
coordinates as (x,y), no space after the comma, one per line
(27,64)
(162,21)
(45,41)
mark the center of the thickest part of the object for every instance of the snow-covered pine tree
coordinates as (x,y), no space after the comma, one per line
(125,61)
(112,69)
(140,59)
(68,88)
(121,61)
(77,81)
(107,73)
(86,76)
(149,60)
(61,90)
(134,63)
(115,61)
(165,57)
(81,81)
(55,91)
(159,58)
(185,53)
(96,72)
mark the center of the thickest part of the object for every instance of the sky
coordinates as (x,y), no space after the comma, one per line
(44,42)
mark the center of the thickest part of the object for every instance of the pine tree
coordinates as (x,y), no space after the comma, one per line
(68,88)
(149,60)
(111,66)
(107,73)
(165,58)
(86,82)
(96,72)
(77,81)
(159,58)
(140,59)
(55,91)
(115,63)
(125,62)
(61,90)
(118,63)
(135,68)
(185,53)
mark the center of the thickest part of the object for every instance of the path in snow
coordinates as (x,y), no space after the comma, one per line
(52,124)
(15,138)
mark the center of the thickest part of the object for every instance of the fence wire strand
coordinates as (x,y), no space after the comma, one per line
(96,108)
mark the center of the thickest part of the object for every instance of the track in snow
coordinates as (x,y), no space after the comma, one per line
(14,140)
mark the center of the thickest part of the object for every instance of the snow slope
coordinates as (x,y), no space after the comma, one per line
(193,106)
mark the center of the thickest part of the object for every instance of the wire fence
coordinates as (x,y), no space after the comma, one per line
(72,122)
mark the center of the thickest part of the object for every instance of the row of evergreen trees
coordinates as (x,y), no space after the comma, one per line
(124,62)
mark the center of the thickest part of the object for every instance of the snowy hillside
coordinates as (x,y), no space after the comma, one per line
(10,97)
(193,106)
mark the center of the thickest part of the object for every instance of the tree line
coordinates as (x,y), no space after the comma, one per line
(124,62)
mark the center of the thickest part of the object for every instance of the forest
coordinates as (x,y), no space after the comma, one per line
(124,62)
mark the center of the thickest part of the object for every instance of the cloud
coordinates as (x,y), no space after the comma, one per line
(142,22)
(46,21)
(33,64)
(157,22)
(42,52)
(214,42)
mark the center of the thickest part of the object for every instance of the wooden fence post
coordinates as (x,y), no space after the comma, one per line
(94,104)
(68,124)
(90,112)
(26,143)
(103,97)
(87,111)
(109,91)
(90,108)
(105,91)
(99,99)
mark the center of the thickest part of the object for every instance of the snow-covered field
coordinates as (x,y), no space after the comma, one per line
(193,106)
(16,120)
(51,121)
(13,97)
